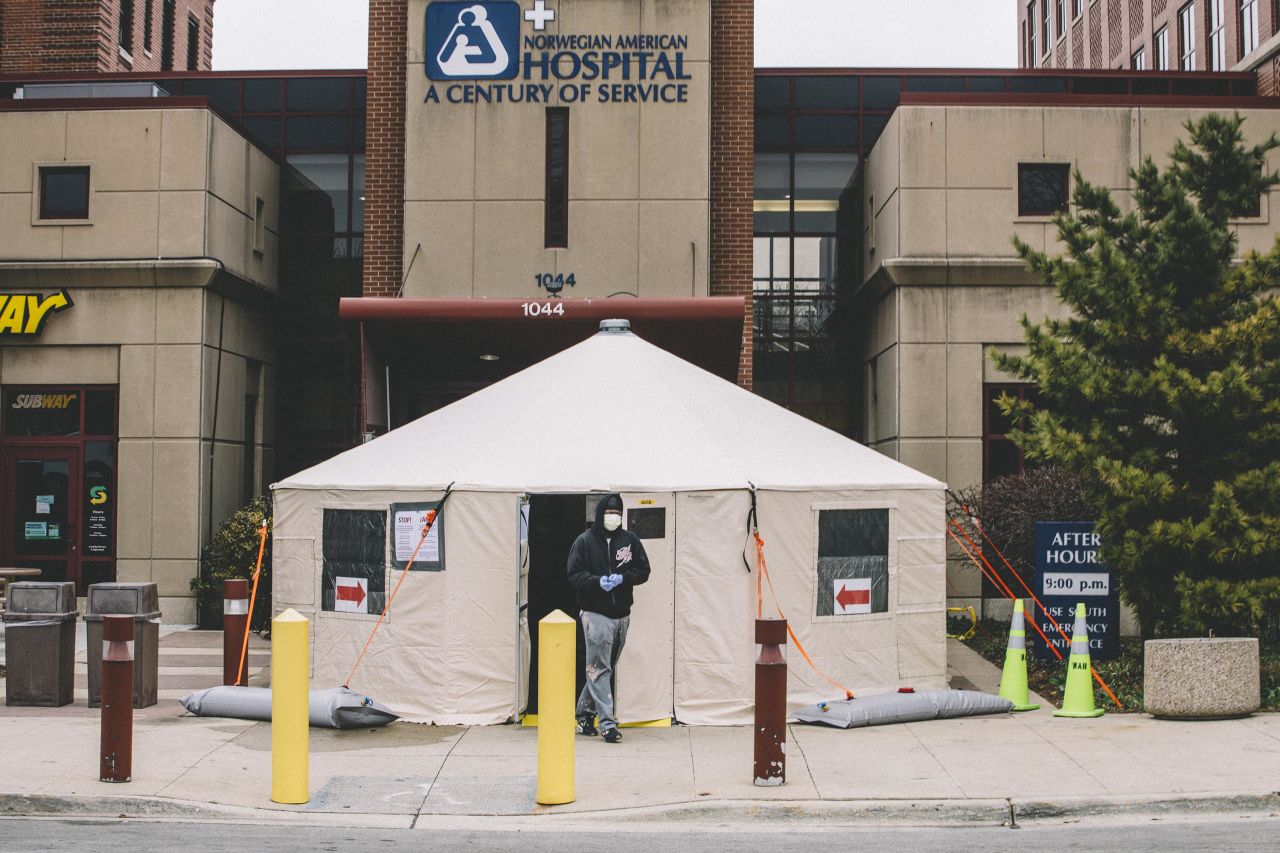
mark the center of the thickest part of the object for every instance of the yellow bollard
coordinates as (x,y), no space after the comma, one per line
(557,655)
(289,712)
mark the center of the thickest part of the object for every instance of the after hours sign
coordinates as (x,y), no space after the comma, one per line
(1069,570)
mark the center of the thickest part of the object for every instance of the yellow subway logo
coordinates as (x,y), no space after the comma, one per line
(24,314)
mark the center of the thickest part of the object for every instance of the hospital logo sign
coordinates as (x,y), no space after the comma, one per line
(473,41)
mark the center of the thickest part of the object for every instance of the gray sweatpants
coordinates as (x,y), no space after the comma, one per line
(605,639)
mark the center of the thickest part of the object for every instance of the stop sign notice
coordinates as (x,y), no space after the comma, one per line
(1069,570)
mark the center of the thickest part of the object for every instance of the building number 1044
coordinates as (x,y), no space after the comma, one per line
(555,282)
(554,308)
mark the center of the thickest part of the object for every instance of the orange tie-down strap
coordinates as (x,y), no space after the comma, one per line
(762,576)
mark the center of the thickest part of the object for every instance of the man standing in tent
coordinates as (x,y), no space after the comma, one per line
(604,564)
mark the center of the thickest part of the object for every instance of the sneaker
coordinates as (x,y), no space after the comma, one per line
(587,727)
(612,735)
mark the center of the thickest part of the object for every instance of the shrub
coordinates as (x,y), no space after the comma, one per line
(1226,608)
(233,553)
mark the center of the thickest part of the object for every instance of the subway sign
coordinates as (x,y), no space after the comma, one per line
(23,315)
(482,53)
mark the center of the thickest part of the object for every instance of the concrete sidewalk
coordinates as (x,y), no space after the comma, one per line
(995,770)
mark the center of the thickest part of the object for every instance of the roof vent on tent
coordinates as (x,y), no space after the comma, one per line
(614,327)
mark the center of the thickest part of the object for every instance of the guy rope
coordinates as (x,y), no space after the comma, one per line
(762,577)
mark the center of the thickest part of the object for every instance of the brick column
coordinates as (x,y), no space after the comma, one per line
(733,158)
(384,148)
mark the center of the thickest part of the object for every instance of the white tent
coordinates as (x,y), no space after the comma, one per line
(854,542)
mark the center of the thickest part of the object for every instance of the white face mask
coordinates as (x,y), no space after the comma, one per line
(612,521)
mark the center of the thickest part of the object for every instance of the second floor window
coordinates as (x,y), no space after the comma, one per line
(1140,59)
(1217,37)
(1162,49)
(1248,27)
(126,26)
(1046,28)
(1187,37)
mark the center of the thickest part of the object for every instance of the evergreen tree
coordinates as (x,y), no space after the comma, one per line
(1162,389)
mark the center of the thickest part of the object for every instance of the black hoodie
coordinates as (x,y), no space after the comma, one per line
(597,553)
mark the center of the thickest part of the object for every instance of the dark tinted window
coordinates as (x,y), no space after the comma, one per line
(262,95)
(100,412)
(317,132)
(830,131)
(1038,85)
(771,132)
(826,93)
(64,192)
(1244,87)
(1100,85)
(318,95)
(772,93)
(362,92)
(1150,85)
(935,84)
(264,130)
(223,94)
(557,202)
(41,411)
(1199,86)
(986,84)
(880,93)
(1042,188)
(871,127)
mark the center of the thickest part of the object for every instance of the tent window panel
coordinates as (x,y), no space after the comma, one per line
(853,562)
(648,522)
(354,549)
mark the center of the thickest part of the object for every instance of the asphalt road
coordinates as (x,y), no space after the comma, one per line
(109,836)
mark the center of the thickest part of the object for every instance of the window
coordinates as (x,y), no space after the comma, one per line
(1187,37)
(1046,27)
(148,18)
(1162,49)
(1248,27)
(126,26)
(259,225)
(1042,188)
(1139,62)
(1077,7)
(1031,54)
(354,553)
(1217,37)
(167,23)
(64,192)
(1060,23)
(557,201)
(193,43)
(853,562)
(1000,456)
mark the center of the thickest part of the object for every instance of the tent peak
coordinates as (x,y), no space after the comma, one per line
(615,327)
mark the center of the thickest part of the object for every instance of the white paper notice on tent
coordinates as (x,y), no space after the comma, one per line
(410,521)
(852,595)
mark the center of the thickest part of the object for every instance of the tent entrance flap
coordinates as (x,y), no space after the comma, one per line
(554,521)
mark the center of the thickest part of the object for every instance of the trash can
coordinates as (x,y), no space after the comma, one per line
(142,602)
(40,643)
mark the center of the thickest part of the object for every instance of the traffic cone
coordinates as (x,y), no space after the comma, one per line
(1077,701)
(1013,682)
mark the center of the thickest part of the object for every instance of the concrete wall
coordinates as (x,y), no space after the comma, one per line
(167,185)
(639,181)
(942,283)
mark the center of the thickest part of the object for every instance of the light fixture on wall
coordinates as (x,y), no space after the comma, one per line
(488,357)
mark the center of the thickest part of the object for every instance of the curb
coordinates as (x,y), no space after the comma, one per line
(781,814)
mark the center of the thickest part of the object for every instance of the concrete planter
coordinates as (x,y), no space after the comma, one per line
(1202,678)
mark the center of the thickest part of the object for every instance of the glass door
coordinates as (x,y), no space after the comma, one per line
(41,511)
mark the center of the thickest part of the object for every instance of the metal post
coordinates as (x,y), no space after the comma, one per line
(290,735)
(557,653)
(771,703)
(235,613)
(116,751)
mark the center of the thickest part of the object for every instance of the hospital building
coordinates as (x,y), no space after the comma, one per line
(212,280)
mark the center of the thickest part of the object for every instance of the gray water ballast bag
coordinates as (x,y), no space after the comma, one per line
(334,708)
(914,707)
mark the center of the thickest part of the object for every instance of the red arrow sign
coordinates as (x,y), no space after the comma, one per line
(848,597)
(351,593)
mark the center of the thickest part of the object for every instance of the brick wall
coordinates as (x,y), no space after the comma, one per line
(51,36)
(384,148)
(733,158)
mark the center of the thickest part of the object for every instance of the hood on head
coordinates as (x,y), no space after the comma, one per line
(612,500)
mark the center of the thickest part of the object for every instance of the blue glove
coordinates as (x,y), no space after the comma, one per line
(617,580)
(607,583)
